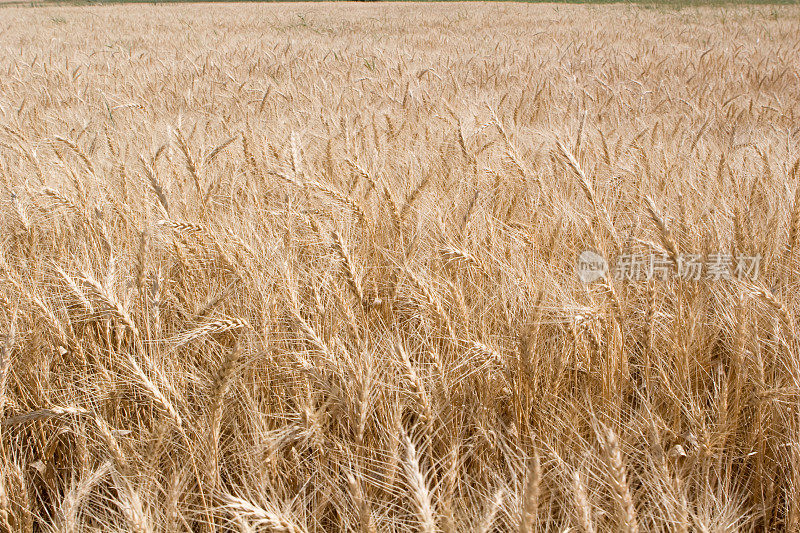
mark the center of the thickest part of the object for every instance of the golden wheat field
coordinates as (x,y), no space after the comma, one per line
(314,267)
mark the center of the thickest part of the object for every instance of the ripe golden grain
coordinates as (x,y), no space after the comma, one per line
(172,177)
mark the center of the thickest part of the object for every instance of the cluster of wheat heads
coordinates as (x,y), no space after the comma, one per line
(312,268)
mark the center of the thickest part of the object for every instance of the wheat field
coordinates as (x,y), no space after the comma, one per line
(312,267)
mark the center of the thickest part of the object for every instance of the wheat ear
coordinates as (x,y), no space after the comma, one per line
(581,499)
(618,479)
(272,519)
(219,386)
(663,231)
(486,524)
(353,281)
(419,488)
(530,495)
